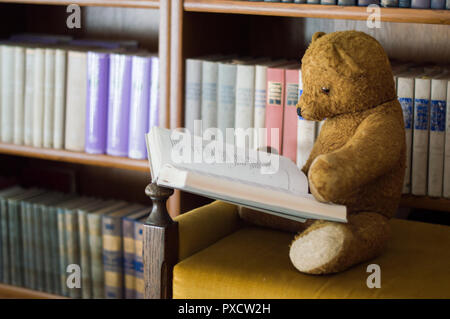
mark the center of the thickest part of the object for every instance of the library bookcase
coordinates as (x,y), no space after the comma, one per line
(178,30)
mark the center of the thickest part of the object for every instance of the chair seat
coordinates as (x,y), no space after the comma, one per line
(254,263)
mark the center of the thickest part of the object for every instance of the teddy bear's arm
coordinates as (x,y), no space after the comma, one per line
(372,151)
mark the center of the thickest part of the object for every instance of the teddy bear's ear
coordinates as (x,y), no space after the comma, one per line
(317,35)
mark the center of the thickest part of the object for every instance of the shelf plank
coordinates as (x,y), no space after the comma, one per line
(149,4)
(424,202)
(14,292)
(405,15)
(75,157)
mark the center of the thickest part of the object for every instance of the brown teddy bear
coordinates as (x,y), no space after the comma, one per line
(358,159)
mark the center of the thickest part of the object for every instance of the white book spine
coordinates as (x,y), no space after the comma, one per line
(209,94)
(422,94)
(38,97)
(319,127)
(60,98)
(49,97)
(446,190)
(28,107)
(245,87)
(193,93)
(306,135)
(7,94)
(437,137)
(19,93)
(405,93)
(76,101)
(226,94)
(259,119)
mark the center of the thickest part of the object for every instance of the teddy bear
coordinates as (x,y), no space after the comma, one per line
(358,159)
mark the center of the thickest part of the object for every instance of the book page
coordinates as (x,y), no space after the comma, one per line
(215,158)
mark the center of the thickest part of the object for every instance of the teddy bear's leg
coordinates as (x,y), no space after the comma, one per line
(329,247)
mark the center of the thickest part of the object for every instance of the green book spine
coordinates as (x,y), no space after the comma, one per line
(129,258)
(112,257)
(46,239)
(86,287)
(139,258)
(15,243)
(96,246)
(32,245)
(38,241)
(5,241)
(73,248)
(54,244)
(25,244)
(62,252)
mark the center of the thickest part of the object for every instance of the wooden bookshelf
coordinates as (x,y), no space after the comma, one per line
(75,157)
(316,11)
(149,4)
(14,292)
(425,202)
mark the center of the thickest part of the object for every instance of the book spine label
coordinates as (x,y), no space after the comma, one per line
(405,92)
(290,115)
(19,93)
(112,257)
(28,107)
(420,137)
(245,88)
(420,4)
(62,252)
(7,93)
(129,258)
(226,95)
(38,97)
(446,187)
(97,102)
(96,246)
(193,92)
(437,137)
(274,108)
(75,122)
(49,97)
(260,106)
(139,107)
(60,99)
(209,94)
(119,105)
(139,259)
(86,287)
(154,96)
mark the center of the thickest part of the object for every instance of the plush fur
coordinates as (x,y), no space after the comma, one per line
(358,159)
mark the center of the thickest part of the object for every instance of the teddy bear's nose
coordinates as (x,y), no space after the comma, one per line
(299,111)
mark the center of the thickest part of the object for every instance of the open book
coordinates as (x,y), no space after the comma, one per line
(251,178)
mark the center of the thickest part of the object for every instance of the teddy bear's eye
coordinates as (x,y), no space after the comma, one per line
(325,90)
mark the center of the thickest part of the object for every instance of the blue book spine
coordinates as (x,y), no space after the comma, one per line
(389,3)
(420,4)
(404,3)
(365,3)
(437,4)
(346,2)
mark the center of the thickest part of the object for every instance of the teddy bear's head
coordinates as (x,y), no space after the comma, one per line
(344,72)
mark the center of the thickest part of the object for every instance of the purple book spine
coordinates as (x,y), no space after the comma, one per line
(118,104)
(154,94)
(139,108)
(420,4)
(97,102)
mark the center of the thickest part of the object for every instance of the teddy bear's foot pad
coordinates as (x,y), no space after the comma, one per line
(313,251)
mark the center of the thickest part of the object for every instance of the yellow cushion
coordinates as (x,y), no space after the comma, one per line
(254,263)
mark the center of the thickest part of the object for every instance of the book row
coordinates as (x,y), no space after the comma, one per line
(260,96)
(69,245)
(417,4)
(80,95)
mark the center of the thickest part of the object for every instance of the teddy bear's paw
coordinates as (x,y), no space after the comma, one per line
(315,250)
